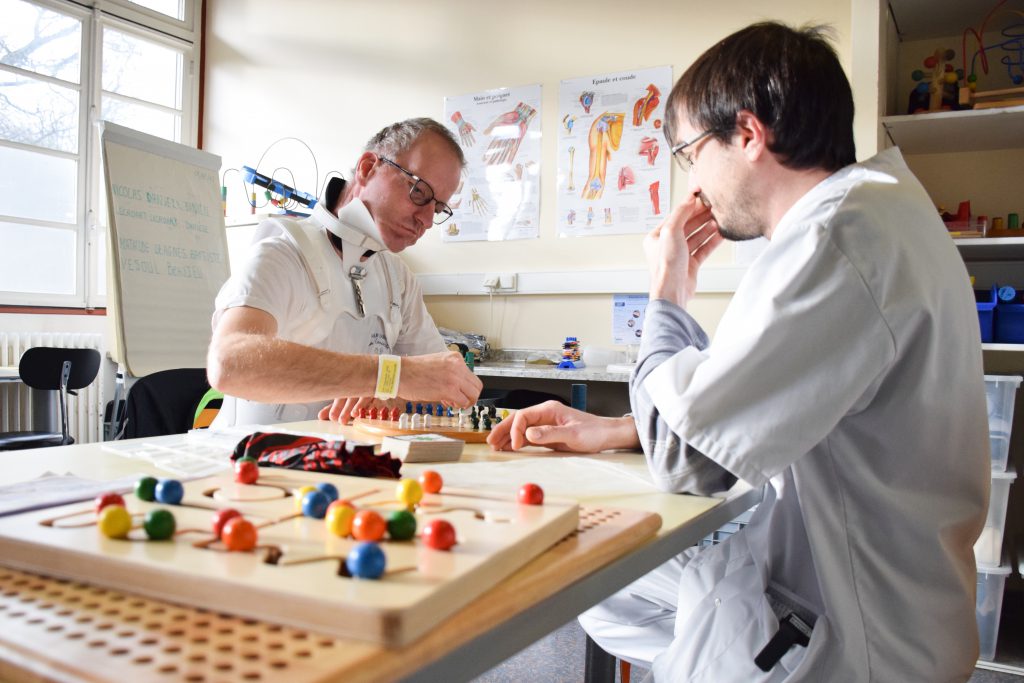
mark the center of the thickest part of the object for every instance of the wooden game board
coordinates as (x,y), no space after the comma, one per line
(390,428)
(392,611)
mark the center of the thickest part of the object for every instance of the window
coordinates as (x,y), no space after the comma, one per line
(63,67)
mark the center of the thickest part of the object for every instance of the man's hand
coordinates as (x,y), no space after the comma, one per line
(344,409)
(562,428)
(676,249)
(439,378)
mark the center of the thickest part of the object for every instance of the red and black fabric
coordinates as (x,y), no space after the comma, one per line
(312,454)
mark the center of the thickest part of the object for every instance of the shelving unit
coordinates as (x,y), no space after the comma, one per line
(980,140)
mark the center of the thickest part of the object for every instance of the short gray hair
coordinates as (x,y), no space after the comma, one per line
(392,140)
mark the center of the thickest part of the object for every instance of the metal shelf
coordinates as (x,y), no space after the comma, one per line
(971,130)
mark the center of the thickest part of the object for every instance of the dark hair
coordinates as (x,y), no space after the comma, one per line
(398,137)
(791,79)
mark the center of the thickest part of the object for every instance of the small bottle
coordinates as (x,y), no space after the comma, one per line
(1013,221)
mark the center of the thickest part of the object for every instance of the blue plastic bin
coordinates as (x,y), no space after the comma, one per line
(986,301)
(1009,320)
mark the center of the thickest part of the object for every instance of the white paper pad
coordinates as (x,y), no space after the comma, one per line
(52,489)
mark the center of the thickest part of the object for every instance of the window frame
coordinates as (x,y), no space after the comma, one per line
(90,223)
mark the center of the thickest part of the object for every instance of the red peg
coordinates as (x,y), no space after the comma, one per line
(105,499)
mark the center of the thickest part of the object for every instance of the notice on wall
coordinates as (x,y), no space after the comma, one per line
(628,318)
(613,162)
(167,246)
(499,194)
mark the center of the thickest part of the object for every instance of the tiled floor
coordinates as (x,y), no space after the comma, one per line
(559,656)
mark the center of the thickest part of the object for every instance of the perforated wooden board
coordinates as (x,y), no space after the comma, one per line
(69,631)
(495,537)
(390,428)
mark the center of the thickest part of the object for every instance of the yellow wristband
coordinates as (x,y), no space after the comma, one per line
(389,371)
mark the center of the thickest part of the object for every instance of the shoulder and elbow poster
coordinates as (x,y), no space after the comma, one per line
(613,161)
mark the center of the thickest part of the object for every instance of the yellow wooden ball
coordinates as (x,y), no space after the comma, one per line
(114,521)
(409,492)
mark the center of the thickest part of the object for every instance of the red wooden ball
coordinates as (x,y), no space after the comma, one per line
(368,525)
(431,481)
(531,494)
(239,534)
(221,517)
(439,534)
(105,499)
(247,471)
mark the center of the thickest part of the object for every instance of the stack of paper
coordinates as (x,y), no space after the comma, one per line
(422,448)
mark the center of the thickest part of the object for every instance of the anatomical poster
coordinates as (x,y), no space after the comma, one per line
(499,194)
(613,161)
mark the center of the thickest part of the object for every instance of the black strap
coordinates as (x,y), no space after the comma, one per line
(792,631)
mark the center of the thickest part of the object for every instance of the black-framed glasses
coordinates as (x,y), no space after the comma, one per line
(683,158)
(421,194)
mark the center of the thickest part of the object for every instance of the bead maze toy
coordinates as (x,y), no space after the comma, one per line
(368,559)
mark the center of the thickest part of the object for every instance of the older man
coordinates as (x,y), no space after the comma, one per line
(323,309)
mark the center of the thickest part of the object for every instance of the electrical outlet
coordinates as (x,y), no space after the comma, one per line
(492,281)
(507,282)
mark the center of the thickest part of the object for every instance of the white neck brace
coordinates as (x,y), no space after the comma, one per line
(353,224)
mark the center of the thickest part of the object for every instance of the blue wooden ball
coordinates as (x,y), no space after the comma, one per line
(314,504)
(329,490)
(169,491)
(366,561)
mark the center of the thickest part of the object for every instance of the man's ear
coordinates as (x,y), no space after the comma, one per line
(366,166)
(754,135)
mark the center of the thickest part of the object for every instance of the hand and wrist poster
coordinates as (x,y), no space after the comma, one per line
(499,195)
(613,161)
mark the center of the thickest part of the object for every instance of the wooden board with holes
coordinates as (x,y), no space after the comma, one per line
(60,630)
(390,428)
(303,588)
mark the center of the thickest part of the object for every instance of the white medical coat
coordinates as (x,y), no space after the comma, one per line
(276,279)
(846,375)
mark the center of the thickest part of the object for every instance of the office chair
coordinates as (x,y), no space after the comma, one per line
(52,369)
(169,402)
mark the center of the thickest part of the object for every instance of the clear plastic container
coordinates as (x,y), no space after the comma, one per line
(1000,393)
(988,548)
(989,606)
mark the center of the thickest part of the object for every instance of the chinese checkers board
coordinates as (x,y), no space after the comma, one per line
(296,571)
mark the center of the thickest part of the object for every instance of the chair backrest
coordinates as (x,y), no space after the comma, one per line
(164,402)
(41,367)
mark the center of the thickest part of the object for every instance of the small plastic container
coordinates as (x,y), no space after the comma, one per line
(989,606)
(986,302)
(989,547)
(1000,394)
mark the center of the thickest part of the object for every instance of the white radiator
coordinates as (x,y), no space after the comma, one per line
(85,411)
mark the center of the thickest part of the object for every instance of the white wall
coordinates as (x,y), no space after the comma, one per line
(333,73)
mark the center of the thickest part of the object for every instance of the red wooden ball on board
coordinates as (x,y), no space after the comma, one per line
(105,499)
(531,494)
(368,525)
(239,534)
(247,471)
(431,481)
(439,534)
(221,517)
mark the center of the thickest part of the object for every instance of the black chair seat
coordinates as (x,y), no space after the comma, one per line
(16,441)
(52,369)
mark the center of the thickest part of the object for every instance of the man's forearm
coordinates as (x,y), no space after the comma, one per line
(271,370)
(675,465)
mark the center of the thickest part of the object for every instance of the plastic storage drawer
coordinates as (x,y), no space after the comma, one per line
(988,548)
(1000,393)
(989,605)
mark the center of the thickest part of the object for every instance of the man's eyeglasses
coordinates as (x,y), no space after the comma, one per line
(682,157)
(421,194)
